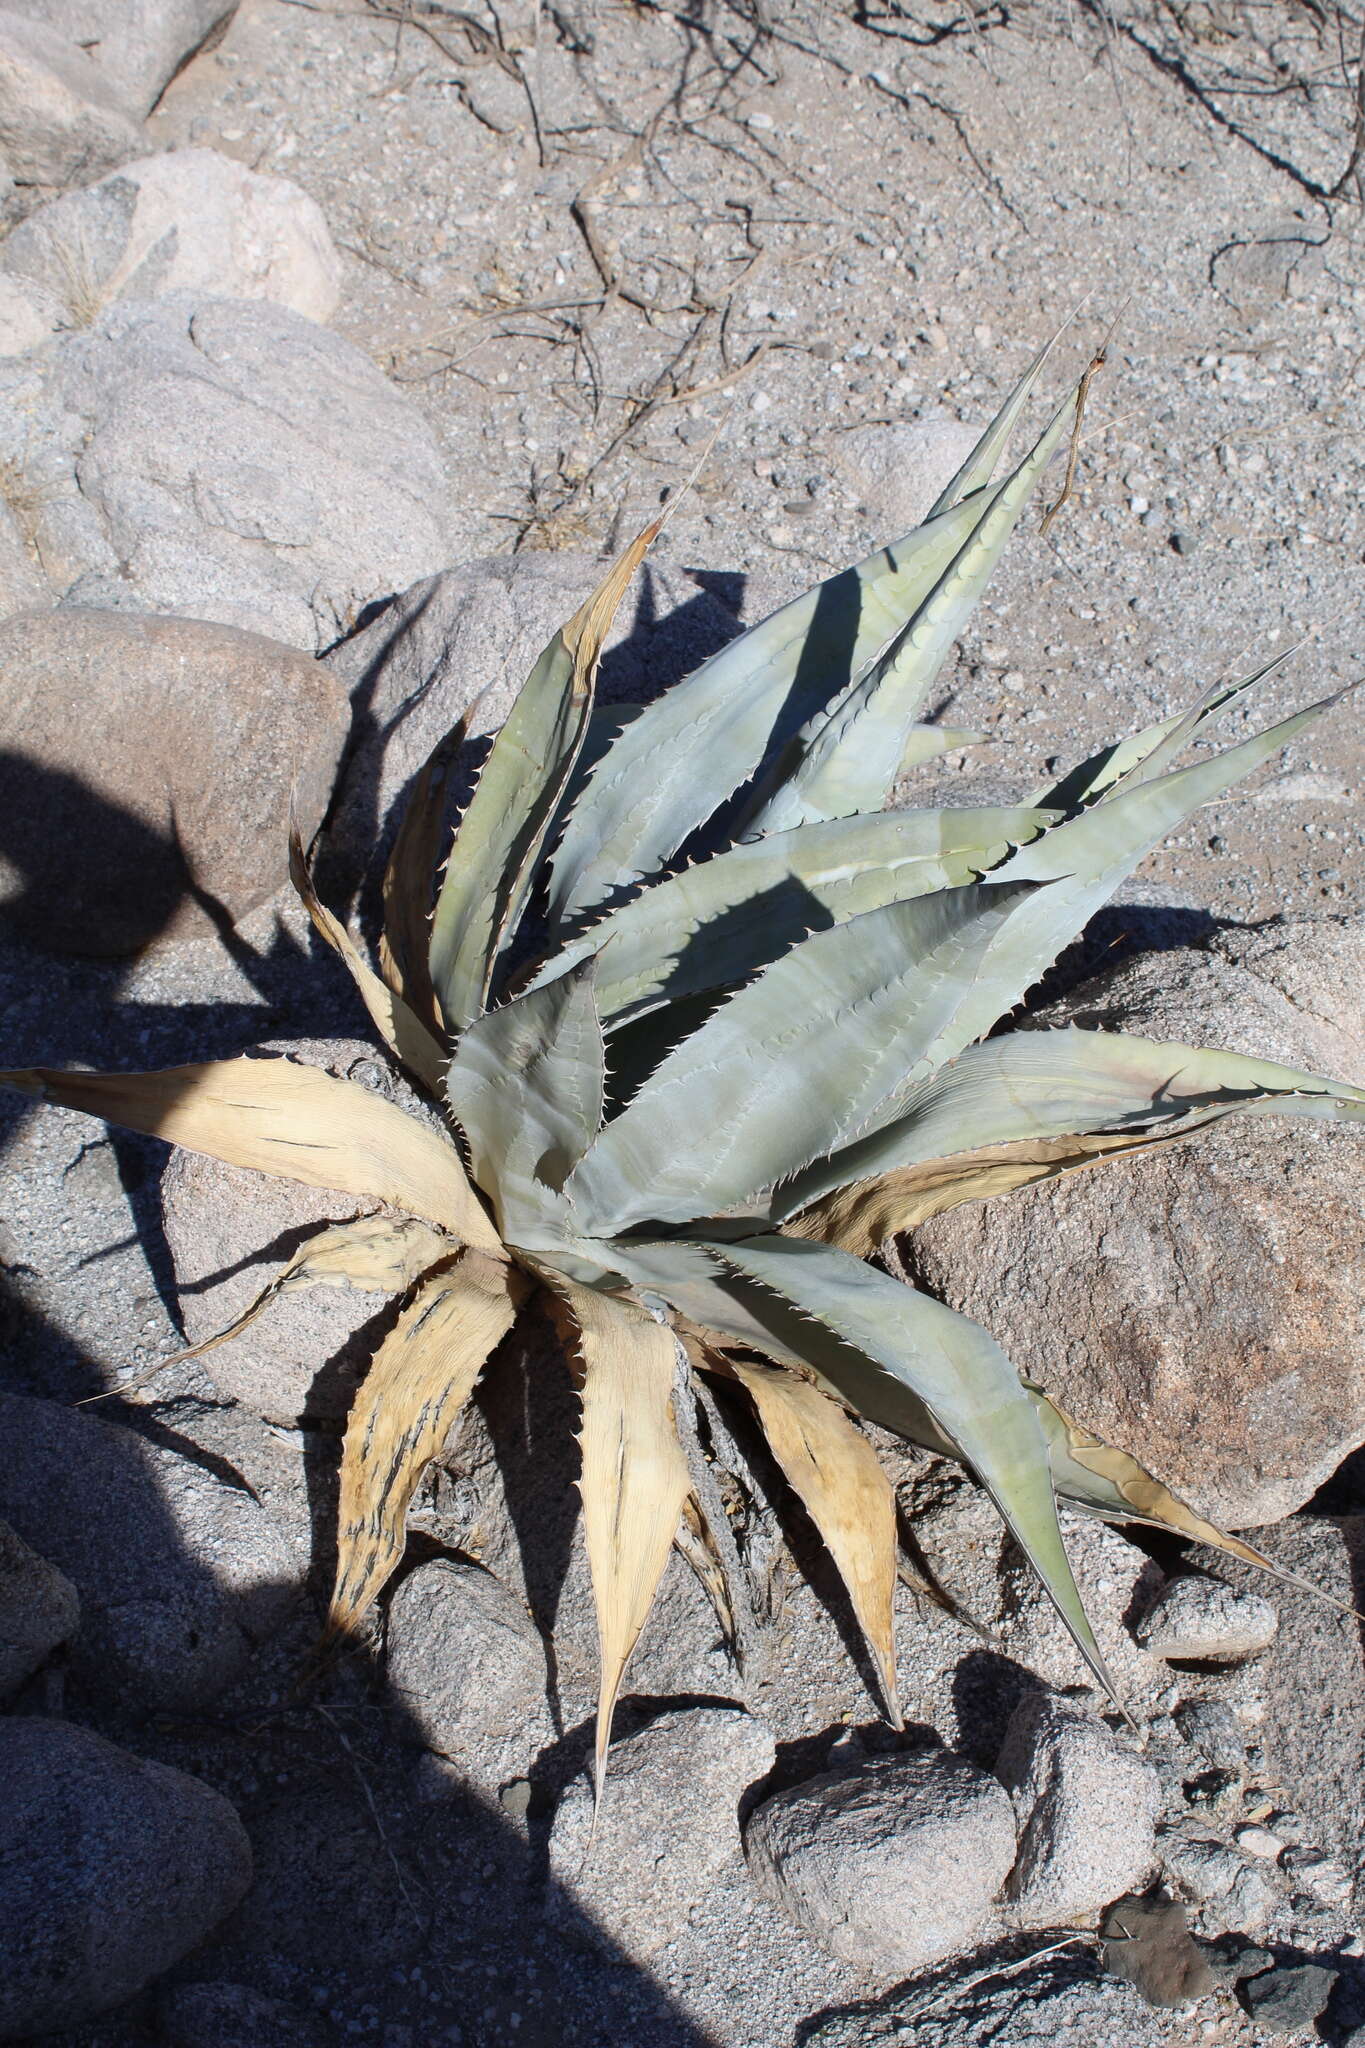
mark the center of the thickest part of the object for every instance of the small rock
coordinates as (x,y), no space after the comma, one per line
(1086,1808)
(1147,1943)
(1262,267)
(1259,1842)
(1290,1996)
(1250,1901)
(191,220)
(1214,1792)
(1232,1959)
(1321,1876)
(60,117)
(137,48)
(668,1825)
(475,633)
(111,1869)
(233,2016)
(466,1661)
(39,1609)
(224,459)
(1203,1866)
(129,740)
(179,1574)
(900,470)
(892,1863)
(1204,1619)
(1215,1732)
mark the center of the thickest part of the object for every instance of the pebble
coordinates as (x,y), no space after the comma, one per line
(1258,1841)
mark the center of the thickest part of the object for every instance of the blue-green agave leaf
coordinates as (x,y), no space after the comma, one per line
(847,757)
(980,465)
(1147,753)
(1054,1084)
(960,1374)
(526,1084)
(690,750)
(722,920)
(795,1064)
(516,799)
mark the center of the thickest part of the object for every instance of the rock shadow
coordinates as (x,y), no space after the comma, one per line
(376,1900)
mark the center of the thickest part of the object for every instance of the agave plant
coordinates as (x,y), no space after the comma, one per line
(710,1026)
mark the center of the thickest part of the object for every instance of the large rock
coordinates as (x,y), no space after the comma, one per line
(1203,1306)
(137,748)
(474,633)
(1086,1806)
(1056,2001)
(191,221)
(668,1826)
(29,313)
(137,46)
(223,458)
(179,1573)
(23,586)
(892,1863)
(111,1869)
(1314,1678)
(466,1661)
(39,1609)
(61,118)
(230,1230)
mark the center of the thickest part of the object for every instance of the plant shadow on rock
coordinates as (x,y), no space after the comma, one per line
(656,653)
(428,1912)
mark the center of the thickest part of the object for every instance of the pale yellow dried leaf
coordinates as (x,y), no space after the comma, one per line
(1145,1495)
(423,1373)
(834,1472)
(634,1479)
(397,1023)
(409,879)
(376,1254)
(279,1117)
(857,1219)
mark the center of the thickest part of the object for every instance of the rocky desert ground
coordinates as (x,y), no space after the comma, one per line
(337,343)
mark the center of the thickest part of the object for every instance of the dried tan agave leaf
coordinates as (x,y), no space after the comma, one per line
(423,1373)
(401,1029)
(517,798)
(408,876)
(276,1116)
(634,1479)
(835,1473)
(859,1218)
(377,1254)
